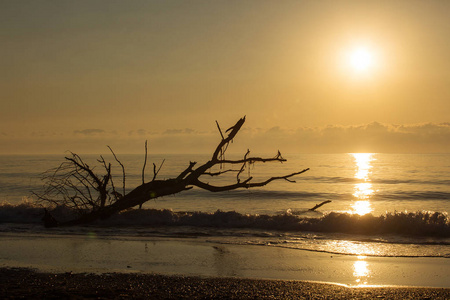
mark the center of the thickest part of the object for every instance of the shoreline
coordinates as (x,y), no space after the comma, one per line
(193,257)
(27,283)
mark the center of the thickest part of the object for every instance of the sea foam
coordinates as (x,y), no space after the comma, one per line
(421,223)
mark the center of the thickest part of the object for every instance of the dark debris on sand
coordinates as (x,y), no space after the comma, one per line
(17,283)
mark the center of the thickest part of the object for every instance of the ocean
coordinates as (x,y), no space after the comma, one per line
(383,205)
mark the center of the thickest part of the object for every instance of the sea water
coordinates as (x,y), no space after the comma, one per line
(381,204)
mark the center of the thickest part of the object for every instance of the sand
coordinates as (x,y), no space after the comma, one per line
(190,257)
(19,283)
(40,266)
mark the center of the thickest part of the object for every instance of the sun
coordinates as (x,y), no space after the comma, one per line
(361,59)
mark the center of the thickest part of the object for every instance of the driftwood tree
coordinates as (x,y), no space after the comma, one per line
(74,183)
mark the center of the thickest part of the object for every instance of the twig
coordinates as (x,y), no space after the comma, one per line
(243,166)
(145,163)
(245,184)
(123,168)
(319,205)
(220,130)
(155,172)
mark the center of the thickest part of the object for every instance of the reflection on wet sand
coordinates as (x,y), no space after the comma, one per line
(361,271)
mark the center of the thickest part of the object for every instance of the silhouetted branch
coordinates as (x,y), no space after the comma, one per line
(245,184)
(219,173)
(145,163)
(155,172)
(187,171)
(250,160)
(233,131)
(319,205)
(74,184)
(243,165)
(123,168)
(220,130)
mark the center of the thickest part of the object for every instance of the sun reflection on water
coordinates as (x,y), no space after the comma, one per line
(362,207)
(354,248)
(363,165)
(363,190)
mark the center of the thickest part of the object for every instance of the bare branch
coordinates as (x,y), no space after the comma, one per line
(249,160)
(243,166)
(155,172)
(83,166)
(212,188)
(245,184)
(218,173)
(319,205)
(187,171)
(234,130)
(74,184)
(220,130)
(223,149)
(145,163)
(123,168)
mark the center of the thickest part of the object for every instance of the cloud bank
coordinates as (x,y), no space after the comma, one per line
(372,137)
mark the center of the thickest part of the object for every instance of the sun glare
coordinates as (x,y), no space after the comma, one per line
(361,59)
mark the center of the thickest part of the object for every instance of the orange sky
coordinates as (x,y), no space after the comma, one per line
(78,75)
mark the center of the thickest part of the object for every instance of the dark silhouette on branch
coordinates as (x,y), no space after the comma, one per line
(74,183)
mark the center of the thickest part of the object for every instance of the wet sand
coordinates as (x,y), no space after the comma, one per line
(20,283)
(190,257)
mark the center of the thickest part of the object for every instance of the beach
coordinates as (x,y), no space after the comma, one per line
(45,267)
(91,253)
(28,284)
(262,243)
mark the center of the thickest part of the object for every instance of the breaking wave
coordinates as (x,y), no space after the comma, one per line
(417,224)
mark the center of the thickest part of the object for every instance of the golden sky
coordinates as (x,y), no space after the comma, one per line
(311,76)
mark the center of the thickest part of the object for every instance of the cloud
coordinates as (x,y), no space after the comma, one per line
(139,132)
(173,131)
(179,131)
(90,132)
(378,137)
(43,134)
(371,137)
